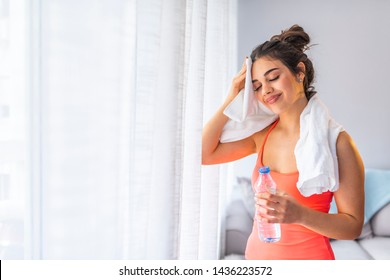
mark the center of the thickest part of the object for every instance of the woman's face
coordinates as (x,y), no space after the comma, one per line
(275,85)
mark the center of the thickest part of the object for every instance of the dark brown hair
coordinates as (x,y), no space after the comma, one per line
(289,47)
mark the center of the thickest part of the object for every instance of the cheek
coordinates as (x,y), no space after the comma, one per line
(259,97)
(287,87)
(284,84)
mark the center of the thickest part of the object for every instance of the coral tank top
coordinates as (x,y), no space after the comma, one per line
(297,242)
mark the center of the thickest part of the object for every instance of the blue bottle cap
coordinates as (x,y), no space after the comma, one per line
(264,169)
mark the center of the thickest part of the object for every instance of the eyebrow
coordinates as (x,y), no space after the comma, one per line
(266,73)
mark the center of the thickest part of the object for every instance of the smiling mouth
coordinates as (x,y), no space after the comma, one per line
(273,99)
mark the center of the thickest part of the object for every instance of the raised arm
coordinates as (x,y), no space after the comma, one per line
(213,151)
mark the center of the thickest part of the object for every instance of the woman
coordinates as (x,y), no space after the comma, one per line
(282,77)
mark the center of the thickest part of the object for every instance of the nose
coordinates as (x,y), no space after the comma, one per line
(267,89)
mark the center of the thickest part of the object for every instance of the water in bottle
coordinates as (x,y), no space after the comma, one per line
(268,232)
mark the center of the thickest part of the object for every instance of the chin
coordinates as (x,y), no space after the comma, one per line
(276,110)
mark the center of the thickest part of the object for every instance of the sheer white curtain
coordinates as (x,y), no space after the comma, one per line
(120,91)
(13,160)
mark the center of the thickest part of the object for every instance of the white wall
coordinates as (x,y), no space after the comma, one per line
(352,62)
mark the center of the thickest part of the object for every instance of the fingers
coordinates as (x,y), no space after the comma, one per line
(267,215)
(267,210)
(270,208)
(278,208)
(241,75)
(267,203)
(239,79)
(279,196)
(243,67)
(270,220)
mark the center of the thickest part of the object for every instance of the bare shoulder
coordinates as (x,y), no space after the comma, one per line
(348,154)
(344,141)
(350,195)
(259,136)
(345,144)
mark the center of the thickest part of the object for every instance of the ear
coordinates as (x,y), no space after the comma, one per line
(301,70)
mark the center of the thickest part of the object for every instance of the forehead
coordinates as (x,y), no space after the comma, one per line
(263,64)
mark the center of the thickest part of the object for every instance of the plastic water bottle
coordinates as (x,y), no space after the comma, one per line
(268,232)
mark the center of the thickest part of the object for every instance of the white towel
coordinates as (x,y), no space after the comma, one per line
(315,151)
(246,113)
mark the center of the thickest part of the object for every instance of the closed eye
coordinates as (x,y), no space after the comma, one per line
(271,80)
(257,89)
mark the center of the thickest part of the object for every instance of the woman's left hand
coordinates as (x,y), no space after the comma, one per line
(278,208)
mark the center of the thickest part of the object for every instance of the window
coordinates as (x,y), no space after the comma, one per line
(13,157)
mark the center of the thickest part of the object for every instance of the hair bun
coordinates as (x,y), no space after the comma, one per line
(295,36)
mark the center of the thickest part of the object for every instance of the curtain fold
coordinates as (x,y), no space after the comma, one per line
(158,129)
(126,87)
(193,85)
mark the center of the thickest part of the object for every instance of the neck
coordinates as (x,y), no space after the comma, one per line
(290,119)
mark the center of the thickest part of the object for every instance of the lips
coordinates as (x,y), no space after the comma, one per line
(272,99)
